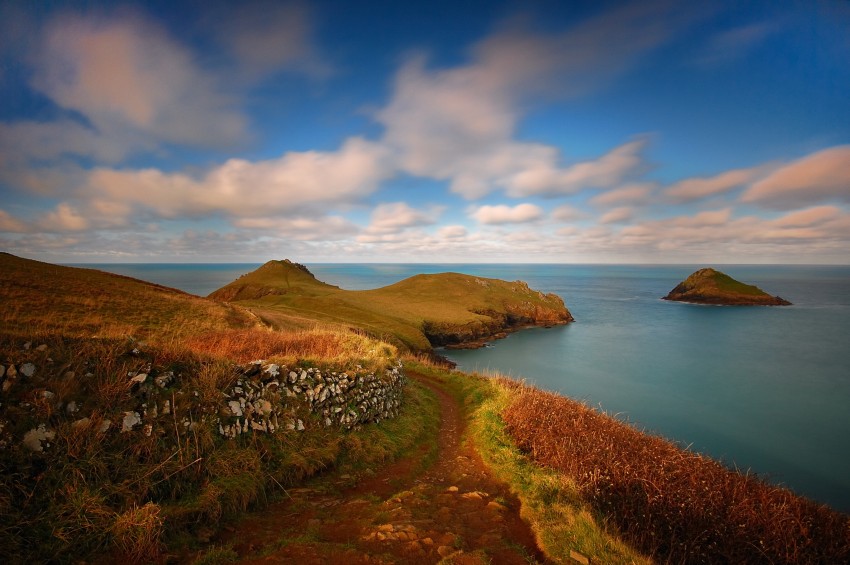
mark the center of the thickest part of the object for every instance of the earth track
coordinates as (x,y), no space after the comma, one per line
(453,511)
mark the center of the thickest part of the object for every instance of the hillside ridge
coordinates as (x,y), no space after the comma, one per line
(418,313)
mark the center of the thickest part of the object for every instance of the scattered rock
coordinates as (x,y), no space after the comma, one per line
(34,438)
(82,423)
(27,369)
(42,347)
(131,419)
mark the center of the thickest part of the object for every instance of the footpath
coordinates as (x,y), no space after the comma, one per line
(453,511)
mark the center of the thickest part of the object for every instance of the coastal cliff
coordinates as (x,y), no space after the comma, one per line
(708,286)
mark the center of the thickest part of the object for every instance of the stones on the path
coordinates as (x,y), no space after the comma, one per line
(474,495)
(452,489)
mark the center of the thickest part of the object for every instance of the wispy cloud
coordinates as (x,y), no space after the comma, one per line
(458,124)
(105,69)
(501,214)
(268,37)
(702,187)
(819,177)
(731,44)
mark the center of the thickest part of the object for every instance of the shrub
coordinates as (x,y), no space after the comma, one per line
(671,503)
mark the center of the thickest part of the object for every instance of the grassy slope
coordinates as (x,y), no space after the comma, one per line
(95,493)
(40,297)
(416,312)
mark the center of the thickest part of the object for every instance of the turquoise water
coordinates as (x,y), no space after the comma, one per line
(765,389)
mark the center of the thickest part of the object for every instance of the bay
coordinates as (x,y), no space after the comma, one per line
(764,389)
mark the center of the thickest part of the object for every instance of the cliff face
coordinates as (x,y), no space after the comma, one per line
(708,286)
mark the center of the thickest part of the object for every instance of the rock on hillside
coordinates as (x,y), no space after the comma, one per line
(708,286)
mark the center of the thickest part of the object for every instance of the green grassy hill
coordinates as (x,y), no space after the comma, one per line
(417,313)
(708,286)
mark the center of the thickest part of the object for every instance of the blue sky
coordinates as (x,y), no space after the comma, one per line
(650,131)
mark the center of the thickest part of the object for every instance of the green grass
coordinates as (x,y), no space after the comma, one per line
(725,283)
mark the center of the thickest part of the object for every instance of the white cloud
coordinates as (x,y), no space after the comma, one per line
(10,224)
(130,74)
(567,213)
(303,228)
(501,214)
(818,177)
(244,189)
(617,215)
(397,216)
(458,124)
(452,232)
(546,178)
(703,187)
(64,218)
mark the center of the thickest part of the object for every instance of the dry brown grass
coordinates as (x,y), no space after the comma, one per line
(326,345)
(671,503)
(137,533)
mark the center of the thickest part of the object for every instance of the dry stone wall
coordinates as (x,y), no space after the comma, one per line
(39,397)
(269,396)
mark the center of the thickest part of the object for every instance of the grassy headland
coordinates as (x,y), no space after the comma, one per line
(417,313)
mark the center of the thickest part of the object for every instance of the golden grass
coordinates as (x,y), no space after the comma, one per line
(326,346)
(40,297)
(671,503)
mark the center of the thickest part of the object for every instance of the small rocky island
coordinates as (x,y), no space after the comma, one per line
(708,286)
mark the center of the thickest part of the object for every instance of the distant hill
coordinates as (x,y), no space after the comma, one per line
(38,296)
(419,312)
(708,286)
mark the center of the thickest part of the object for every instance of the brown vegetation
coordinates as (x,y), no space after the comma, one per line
(671,503)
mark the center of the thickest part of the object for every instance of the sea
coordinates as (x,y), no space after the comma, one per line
(766,390)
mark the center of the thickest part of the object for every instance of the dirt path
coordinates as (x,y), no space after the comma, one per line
(454,510)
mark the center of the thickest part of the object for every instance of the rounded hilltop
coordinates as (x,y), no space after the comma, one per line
(709,286)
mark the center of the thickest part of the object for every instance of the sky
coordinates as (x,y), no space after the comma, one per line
(426,131)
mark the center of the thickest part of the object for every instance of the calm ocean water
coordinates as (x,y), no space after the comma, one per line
(766,389)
